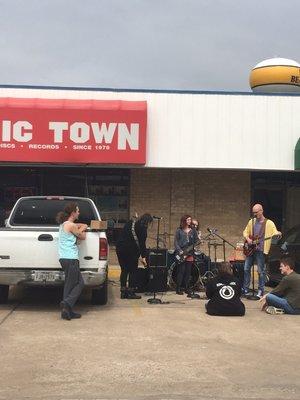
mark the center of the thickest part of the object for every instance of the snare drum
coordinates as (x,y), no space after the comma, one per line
(172,276)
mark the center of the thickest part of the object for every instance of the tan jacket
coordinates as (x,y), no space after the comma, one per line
(270,231)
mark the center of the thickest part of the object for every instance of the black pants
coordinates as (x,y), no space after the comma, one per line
(129,266)
(73,281)
(184,274)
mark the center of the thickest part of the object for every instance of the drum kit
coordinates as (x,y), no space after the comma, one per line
(202,270)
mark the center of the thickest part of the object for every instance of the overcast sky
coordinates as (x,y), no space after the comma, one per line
(144,44)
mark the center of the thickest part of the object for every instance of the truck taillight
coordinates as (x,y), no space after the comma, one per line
(102,249)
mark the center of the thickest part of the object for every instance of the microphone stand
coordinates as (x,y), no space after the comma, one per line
(155,300)
(223,243)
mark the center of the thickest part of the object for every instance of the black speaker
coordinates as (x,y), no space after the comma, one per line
(140,279)
(157,279)
(157,257)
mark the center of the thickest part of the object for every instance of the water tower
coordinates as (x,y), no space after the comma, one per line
(276,75)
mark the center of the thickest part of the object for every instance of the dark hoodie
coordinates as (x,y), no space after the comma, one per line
(224,294)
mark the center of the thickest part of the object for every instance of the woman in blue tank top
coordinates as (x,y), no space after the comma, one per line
(69,232)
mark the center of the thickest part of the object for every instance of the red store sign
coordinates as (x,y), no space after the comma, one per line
(73,131)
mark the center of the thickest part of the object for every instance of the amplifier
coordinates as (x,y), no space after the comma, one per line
(140,279)
(157,279)
(157,257)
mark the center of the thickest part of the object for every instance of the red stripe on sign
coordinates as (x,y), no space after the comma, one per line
(73,131)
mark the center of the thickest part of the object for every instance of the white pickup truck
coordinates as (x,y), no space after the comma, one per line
(29,248)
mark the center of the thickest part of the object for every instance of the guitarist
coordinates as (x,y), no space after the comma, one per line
(185,236)
(262,229)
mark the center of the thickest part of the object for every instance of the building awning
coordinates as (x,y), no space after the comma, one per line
(297,155)
(71,131)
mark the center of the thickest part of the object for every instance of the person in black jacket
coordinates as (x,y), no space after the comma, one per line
(224,293)
(130,246)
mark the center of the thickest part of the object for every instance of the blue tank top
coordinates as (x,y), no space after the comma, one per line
(67,247)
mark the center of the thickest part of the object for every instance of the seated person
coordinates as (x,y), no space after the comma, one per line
(224,293)
(285,298)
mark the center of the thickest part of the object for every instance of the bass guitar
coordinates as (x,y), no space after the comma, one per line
(180,257)
(249,249)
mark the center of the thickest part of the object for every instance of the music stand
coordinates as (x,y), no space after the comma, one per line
(224,241)
(212,243)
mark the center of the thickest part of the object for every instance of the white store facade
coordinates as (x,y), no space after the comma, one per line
(209,154)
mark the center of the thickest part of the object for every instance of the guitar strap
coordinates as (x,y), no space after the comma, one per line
(134,234)
(263,228)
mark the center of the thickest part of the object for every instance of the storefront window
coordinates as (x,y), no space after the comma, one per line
(108,188)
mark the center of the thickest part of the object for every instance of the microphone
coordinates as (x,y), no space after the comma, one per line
(155,217)
(212,231)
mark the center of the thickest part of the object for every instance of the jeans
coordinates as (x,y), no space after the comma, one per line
(184,274)
(259,257)
(281,302)
(129,267)
(73,281)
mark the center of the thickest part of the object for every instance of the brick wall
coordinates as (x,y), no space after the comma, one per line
(218,199)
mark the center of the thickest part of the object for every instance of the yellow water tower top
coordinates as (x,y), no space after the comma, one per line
(276,75)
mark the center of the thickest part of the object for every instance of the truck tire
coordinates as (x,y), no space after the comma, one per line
(99,296)
(4,293)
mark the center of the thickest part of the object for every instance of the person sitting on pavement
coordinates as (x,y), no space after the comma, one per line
(224,293)
(285,298)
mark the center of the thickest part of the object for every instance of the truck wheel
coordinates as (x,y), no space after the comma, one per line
(4,293)
(99,296)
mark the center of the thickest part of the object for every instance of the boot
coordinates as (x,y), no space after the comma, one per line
(179,291)
(74,315)
(65,311)
(124,293)
(132,296)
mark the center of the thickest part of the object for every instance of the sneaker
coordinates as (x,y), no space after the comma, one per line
(260,294)
(66,315)
(133,296)
(273,310)
(65,311)
(75,315)
(124,294)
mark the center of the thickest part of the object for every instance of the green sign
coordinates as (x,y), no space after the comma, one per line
(297,155)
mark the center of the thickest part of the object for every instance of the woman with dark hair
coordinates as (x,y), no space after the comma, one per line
(130,246)
(185,237)
(69,233)
(224,293)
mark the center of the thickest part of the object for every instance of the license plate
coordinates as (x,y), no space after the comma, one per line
(42,276)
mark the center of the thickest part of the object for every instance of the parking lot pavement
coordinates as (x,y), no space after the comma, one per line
(133,350)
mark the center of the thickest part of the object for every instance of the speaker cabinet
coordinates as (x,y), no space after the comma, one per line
(140,280)
(157,279)
(157,257)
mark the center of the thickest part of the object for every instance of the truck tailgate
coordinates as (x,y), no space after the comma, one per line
(38,249)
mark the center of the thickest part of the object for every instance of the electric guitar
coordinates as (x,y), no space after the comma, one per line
(249,249)
(180,257)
